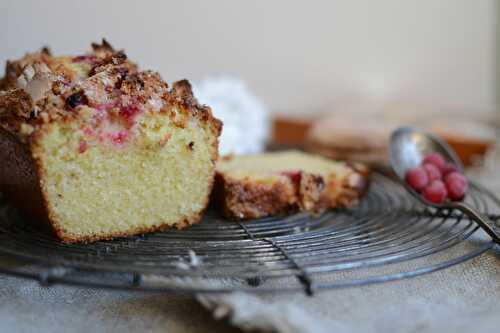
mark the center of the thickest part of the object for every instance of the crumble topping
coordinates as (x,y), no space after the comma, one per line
(102,87)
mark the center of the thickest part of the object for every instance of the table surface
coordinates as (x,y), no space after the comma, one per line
(459,299)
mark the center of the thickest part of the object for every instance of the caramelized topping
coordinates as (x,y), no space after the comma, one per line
(104,87)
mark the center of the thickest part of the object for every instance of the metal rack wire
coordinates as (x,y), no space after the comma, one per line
(389,236)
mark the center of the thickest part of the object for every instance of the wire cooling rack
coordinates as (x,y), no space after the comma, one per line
(389,236)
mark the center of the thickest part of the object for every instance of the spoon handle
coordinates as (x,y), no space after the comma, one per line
(486,224)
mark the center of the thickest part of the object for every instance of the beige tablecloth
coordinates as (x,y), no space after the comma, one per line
(463,298)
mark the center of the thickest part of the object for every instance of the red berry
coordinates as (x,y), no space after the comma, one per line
(436,159)
(455,176)
(432,171)
(456,189)
(417,178)
(90,59)
(82,147)
(435,192)
(294,176)
(457,185)
(118,137)
(448,168)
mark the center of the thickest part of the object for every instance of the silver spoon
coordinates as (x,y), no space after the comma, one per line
(408,146)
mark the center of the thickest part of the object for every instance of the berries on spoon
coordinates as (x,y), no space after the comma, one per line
(437,180)
(417,178)
(435,192)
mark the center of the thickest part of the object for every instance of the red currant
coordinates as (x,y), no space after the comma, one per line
(456,189)
(435,192)
(432,171)
(436,159)
(417,178)
(455,176)
(448,168)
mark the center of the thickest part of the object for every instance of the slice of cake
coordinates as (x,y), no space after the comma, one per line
(99,149)
(254,186)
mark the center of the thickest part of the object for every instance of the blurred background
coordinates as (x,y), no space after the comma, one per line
(302,61)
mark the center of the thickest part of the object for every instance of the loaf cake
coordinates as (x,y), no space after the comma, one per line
(276,183)
(96,149)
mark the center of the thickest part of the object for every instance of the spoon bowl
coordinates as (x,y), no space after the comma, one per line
(408,147)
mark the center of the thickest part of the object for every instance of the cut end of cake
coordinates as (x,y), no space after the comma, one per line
(277,183)
(160,178)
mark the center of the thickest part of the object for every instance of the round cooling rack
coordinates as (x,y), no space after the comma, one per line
(388,236)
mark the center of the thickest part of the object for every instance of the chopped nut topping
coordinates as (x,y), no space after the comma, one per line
(26,129)
(98,87)
(45,117)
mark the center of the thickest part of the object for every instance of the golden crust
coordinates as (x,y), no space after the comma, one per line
(15,109)
(249,199)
